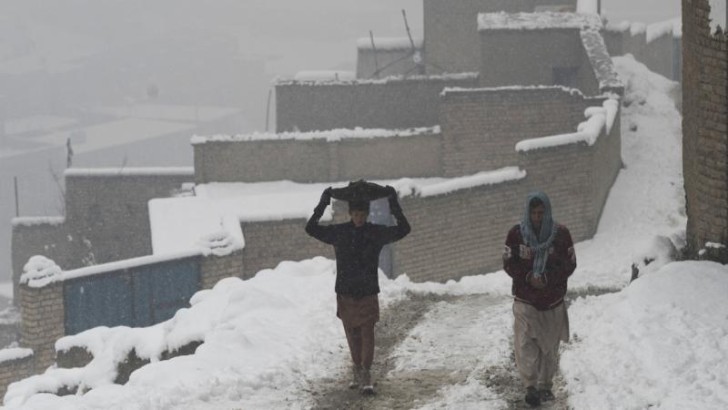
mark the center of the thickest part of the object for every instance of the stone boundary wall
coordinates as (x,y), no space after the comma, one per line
(394,103)
(318,160)
(481,126)
(705,132)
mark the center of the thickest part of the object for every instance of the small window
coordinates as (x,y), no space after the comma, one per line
(565,76)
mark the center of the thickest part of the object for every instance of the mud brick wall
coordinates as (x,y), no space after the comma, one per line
(458,234)
(268,243)
(390,104)
(481,127)
(705,129)
(317,160)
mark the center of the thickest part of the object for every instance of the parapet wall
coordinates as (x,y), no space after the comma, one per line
(320,157)
(392,103)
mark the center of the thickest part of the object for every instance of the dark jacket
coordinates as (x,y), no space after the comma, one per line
(560,264)
(357,250)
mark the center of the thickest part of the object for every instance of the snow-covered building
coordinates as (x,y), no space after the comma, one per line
(462,150)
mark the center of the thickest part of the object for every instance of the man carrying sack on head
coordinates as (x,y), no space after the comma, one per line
(357,245)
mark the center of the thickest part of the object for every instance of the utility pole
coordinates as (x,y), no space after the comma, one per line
(17,203)
(374,49)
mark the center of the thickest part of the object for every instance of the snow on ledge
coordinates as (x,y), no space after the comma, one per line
(127,264)
(38,220)
(14,353)
(407,187)
(385,80)
(537,21)
(461,90)
(146,171)
(388,43)
(324,75)
(40,271)
(598,119)
(330,135)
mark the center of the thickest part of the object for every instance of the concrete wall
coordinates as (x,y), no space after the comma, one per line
(481,127)
(705,131)
(450,28)
(389,104)
(532,57)
(316,160)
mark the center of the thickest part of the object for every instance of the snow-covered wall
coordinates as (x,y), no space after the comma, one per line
(482,125)
(705,137)
(336,155)
(393,102)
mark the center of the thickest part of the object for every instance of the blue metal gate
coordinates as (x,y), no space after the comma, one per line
(379,214)
(135,297)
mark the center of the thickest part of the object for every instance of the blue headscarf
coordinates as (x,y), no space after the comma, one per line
(539,244)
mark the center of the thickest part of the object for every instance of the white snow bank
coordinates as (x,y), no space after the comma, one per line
(388,43)
(572,91)
(598,120)
(40,271)
(328,135)
(407,187)
(537,21)
(660,343)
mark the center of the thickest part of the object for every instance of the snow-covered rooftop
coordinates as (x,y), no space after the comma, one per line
(329,135)
(178,224)
(128,171)
(460,90)
(388,43)
(537,21)
(385,80)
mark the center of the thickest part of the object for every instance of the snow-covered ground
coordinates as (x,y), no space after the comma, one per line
(659,342)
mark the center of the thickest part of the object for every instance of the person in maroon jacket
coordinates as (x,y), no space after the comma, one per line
(357,245)
(539,257)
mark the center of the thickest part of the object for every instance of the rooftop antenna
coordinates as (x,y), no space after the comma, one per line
(374,49)
(416,57)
